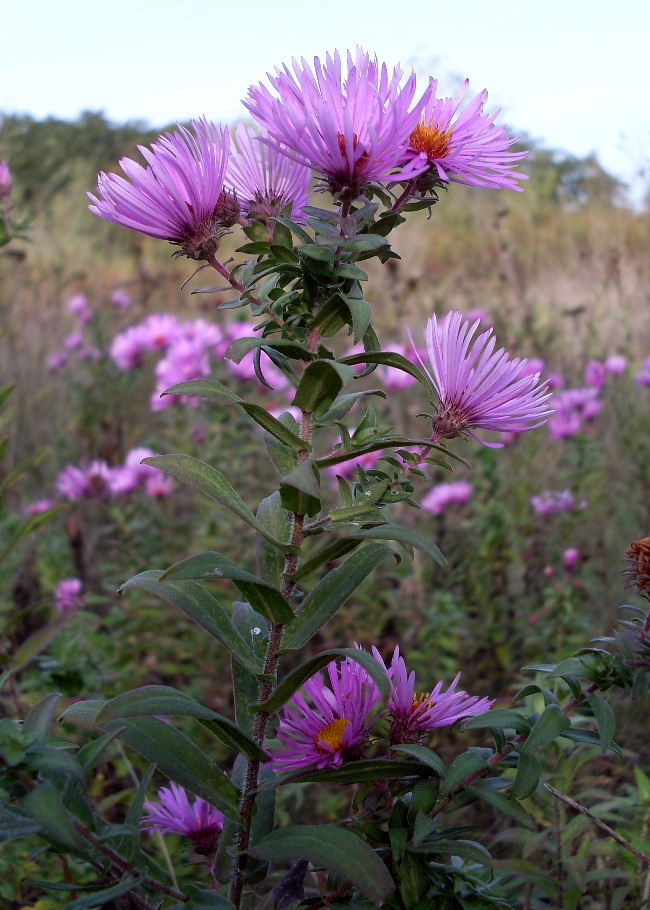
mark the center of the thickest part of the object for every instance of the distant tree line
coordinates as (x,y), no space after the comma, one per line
(46,155)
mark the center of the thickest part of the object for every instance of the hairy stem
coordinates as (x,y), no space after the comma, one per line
(270,667)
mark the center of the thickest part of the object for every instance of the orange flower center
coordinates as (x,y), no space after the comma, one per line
(430,141)
(418,702)
(332,735)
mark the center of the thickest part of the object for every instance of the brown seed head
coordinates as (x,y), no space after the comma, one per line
(637,571)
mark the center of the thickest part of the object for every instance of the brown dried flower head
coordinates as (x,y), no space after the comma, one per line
(637,571)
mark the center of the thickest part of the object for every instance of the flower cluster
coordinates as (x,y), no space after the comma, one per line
(98,480)
(67,595)
(330,724)
(443,495)
(551,501)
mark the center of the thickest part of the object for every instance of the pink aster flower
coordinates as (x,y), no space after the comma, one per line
(55,362)
(36,508)
(440,497)
(642,378)
(92,481)
(352,127)
(67,595)
(180,196)
(534,365)
(616,365)
(159,486)
(199,822)
(5,180)
(120,299)
(78,306)
(465,146)
(478,387)
(265,180)
(595,374)
(571,558)
(414,714)
(551,501)
(332,726)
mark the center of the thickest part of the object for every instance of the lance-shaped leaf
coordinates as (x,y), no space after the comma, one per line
(464,766)
(262,596)
(320,384)
(499,719)
(527,777)
(550,724)
(39,720)
(211,390)
(299,490)
(203,608)
(149,701)
(295,679)
(356,772)
(45,806)
(238,349)
(175,755)
(39,640)
(331,593)
(486,791)
(344,403)
(212,483)
(605,719)
(389,359)
(335,849)
(275,519)
(254,628)
(405,535)
(30,524)
(328,554)
(426,756)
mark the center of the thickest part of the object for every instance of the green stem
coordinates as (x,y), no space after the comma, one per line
(270,667)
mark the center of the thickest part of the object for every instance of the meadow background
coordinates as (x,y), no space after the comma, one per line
(562,271)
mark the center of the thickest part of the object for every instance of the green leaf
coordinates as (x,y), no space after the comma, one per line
(390,359)
(426,756)
(262,596)
(317,252)
(150,701)
(296,229)
(175,755)
(105,897)
(356,772)
(605,719)
(344,403)
(273,426)
(527,777)
(202,900)
(406,535)
(283,458)
(464,766)
(39,640)
(29,525)
(336,849)
(213,484)
(360,312)
(485,791)
(550,724)
(203,608)
(320,384)
(299,490)
(252,627)
(40,718)
(209,389)
(295,679)
(466,849)
(45,807)
(499,719)
(366,243)
(331,593)
(275,520)
(238,349)
(328,554)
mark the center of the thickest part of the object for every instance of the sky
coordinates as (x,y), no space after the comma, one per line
(572,74)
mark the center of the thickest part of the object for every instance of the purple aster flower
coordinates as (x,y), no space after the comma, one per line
(483,317)
(120,299)
(478,387)
(264,180)
(199,822)
(352,127)
(642,378)
(416,714)
(616,365)
(67,595)
(465,146)
(555,381)
(5,180)
(552,501)
(180,196)
(158,487)
(129,348)
(36,508)
(534,365)
(571,558)
(74,341)
(333,727)
(90,482)
(78,306)
(56,361)
(595,374)
(444,495)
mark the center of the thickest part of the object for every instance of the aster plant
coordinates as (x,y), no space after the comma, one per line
(381,147)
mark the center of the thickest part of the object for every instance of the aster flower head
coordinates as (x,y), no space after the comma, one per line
(92,481)
(352,127)
(328,724)
(5,180)
(464,146)
(67,595)
(414,714)
(199,822)
(443,495)
(179,196)
(264,179)
(478,387)
(551,501)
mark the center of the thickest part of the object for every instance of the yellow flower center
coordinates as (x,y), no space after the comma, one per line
(332,735)
(430,141)
(419,702)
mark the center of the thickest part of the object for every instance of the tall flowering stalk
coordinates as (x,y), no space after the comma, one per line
(366,134)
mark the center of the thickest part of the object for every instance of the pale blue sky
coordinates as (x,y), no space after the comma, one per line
(572,73)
